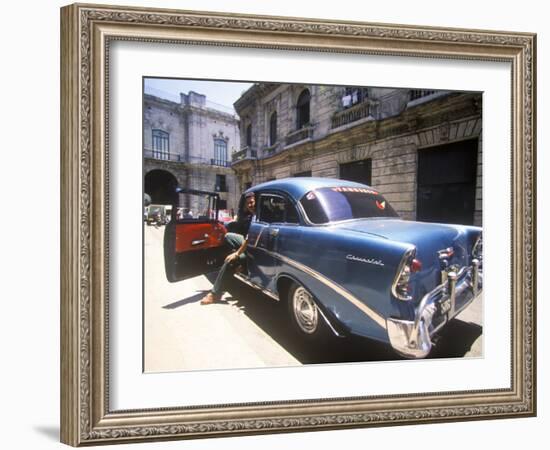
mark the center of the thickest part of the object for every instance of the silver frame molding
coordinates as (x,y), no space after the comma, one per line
(86,33)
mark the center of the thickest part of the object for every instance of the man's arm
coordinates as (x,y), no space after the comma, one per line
(242,248)
(239,252)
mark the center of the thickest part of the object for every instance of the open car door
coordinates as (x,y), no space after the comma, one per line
(193,244)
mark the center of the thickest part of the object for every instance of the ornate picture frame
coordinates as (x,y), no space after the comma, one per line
(86,35)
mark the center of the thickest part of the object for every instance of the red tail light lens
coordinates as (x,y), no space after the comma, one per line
(416,265)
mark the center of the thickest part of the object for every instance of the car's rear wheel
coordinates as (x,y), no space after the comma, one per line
(304,313)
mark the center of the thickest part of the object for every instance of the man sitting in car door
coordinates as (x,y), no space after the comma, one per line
(237,242)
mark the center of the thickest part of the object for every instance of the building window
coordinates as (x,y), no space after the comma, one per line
(249,135)
(221,185)
(273,129)
(354,95)
(220,152)
(161,144)
(359,171)
(302,109)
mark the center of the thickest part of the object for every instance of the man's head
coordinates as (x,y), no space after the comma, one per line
(250,203)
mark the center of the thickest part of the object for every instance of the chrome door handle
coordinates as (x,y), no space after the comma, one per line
(274,232)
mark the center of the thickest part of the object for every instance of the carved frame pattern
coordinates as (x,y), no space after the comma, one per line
(86,418)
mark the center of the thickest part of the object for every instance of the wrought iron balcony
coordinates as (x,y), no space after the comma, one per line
(300,135)
(272,149)
(419,93)
(219,162)
(244,153)
(357,112)
(162,155)
(166,156)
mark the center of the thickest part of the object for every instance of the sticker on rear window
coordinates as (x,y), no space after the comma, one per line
(352,189)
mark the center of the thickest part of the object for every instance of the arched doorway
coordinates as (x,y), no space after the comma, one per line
(161,186)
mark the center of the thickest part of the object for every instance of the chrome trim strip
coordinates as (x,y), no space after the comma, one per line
(259,235)
(328,322)
(372,314)
(451,291)
(479,241)
(406,256)
(246,281)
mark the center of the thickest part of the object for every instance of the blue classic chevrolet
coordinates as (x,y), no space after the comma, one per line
(344,263)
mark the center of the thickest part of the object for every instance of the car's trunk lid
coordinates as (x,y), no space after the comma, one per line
(430,240)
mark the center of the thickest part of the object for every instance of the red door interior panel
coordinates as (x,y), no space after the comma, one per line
(198,236)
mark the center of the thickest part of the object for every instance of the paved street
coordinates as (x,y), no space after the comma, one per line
(247,329)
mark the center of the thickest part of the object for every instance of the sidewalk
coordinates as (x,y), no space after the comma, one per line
(181,334)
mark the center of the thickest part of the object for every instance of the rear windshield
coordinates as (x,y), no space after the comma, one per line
(344,203)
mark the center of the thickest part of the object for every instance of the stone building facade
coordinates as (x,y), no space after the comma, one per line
(421,149)
(189,144)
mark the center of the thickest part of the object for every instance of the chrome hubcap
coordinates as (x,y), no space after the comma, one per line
(305,310)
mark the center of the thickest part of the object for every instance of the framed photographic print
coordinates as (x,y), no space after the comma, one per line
(335,220)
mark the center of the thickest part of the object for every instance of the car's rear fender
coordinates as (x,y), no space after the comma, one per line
(350,275)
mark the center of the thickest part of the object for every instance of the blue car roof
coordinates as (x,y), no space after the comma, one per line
(297,187)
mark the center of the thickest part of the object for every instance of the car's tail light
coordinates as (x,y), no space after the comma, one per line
(477,249)
(401,285)
(416,265)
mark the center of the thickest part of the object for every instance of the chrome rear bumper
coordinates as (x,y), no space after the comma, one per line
(412,339)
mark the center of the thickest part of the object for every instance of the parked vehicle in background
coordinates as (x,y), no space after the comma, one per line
(158,214)
(225,216)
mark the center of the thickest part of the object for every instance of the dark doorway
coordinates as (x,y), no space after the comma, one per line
(161,187)
(358,171)
(447,183)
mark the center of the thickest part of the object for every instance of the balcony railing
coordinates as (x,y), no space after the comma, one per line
(299,135)
(219,162)
(244,153)
(419,93)
(353,114)
(163,156)
(272,149)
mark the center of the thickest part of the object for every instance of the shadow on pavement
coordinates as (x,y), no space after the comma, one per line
(211,277)
(456,339)
(186,301)
(271,316)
